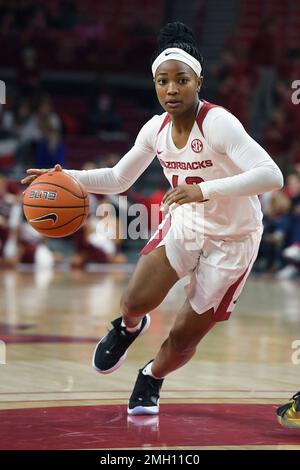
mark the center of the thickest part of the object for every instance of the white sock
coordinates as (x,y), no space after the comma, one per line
(131,329)
(148,371)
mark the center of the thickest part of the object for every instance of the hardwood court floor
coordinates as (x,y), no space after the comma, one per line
(51,398)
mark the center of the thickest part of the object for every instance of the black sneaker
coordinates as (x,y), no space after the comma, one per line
(144,399)
(111,351)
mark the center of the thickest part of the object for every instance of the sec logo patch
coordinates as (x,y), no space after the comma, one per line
(196,145)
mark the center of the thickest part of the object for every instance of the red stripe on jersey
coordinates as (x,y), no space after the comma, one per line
(165,122)
(221,313)
(160,232)
(203,112)
(158,236)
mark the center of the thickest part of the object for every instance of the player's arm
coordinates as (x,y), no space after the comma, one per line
(119,178)
(226,135)
(259,173)
(106,180)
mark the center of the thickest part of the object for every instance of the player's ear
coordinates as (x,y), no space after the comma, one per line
(200,83)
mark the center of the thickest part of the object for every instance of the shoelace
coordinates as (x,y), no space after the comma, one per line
(117,335)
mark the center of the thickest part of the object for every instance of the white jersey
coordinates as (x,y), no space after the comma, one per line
(198,162)
(230,167)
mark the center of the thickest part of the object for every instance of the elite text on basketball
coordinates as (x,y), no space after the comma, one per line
(37,194)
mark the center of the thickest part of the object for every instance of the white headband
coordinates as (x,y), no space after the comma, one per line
(174,53)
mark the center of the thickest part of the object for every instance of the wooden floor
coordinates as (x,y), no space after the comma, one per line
(50,323)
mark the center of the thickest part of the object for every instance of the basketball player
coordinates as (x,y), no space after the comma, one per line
(288,415)
(212,231)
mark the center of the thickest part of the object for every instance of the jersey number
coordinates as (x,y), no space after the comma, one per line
(188,180)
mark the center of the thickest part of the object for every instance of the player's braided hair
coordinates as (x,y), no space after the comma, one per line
(179,35)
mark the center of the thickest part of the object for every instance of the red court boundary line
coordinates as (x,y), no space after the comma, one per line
(96,427)
(165,390)
(166,400)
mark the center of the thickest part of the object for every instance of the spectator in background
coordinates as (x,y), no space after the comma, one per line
(23,240)
(292,187)
(31,127)
(7,115)
(278,138)
(24,244)
(28,74)
(50,149)
(24,125)
(26,131)
(8,138)
(6,202)
(284,96)
(283,93)
(103,117)
(98,241)
(45,116)
(277,223)
(292,252)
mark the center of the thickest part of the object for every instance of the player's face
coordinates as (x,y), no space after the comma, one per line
(177,87)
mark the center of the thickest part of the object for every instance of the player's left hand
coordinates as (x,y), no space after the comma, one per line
(35,172)
(183,194)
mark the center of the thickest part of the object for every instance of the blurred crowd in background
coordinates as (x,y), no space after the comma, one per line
(78,89)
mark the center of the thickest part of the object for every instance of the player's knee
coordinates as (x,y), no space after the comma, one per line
(180,344)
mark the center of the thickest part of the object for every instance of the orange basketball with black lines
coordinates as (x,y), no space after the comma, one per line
(56,204)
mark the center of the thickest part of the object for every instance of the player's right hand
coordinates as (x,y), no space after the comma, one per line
(35,172)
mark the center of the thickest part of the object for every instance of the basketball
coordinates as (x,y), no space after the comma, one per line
(55,204)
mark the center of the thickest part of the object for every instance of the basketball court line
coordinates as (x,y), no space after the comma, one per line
(108,426)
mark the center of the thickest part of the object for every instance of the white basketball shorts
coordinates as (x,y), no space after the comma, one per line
(215,270)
